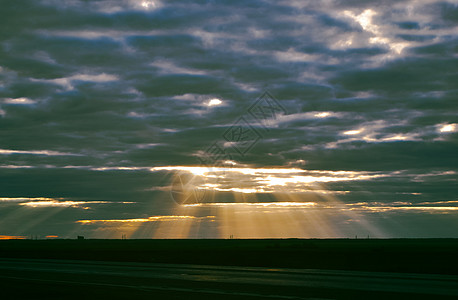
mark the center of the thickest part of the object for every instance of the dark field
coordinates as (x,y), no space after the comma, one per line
(433,256)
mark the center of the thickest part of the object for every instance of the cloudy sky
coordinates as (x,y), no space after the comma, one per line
(203,119)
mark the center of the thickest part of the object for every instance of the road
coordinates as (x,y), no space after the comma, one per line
(71,279)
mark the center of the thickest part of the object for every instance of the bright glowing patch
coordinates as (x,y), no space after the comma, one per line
(395,138)
(214,102)
(352,132)
(18,101)
(148,4)
(365,19)
(323,114)
(448,128)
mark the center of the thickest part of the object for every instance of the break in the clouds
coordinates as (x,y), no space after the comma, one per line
(110,109)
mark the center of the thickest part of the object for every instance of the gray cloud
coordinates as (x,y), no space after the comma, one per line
(94,93)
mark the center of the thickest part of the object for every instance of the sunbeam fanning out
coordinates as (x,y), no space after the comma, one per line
(275,202)
(265,202)
(260,180)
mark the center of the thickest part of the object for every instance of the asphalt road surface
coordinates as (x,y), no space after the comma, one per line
(72,279)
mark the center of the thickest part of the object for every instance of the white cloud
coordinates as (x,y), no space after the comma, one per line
(169,67)
(22,100)
(149,145)
(293,55)
(107,6)
(280,119)
(56,203)
(25,199)
(67,82)
(214,102)
(149,4)
(379,34)
(353,132)
(323,114)
(37,152)
(16,167)
(143,220)
(447,128)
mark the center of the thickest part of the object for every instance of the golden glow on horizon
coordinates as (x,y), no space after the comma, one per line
(12,237)
(288,217)
(246,202)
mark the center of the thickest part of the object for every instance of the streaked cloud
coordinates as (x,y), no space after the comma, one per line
(364,206)
(22,199)
(143,220)
(23,100)
(68,82)
(37,152)
(54,203)
(38,202)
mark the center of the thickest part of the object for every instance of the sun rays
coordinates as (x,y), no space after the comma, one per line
(246,202)
(237,201)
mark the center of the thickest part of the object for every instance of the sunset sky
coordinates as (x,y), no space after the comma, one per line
(206,119)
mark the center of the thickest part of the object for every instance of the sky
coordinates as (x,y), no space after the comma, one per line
(211,119)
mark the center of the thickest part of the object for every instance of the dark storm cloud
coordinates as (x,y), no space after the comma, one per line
(90,87)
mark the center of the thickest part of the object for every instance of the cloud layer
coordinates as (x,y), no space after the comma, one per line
(105,102)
